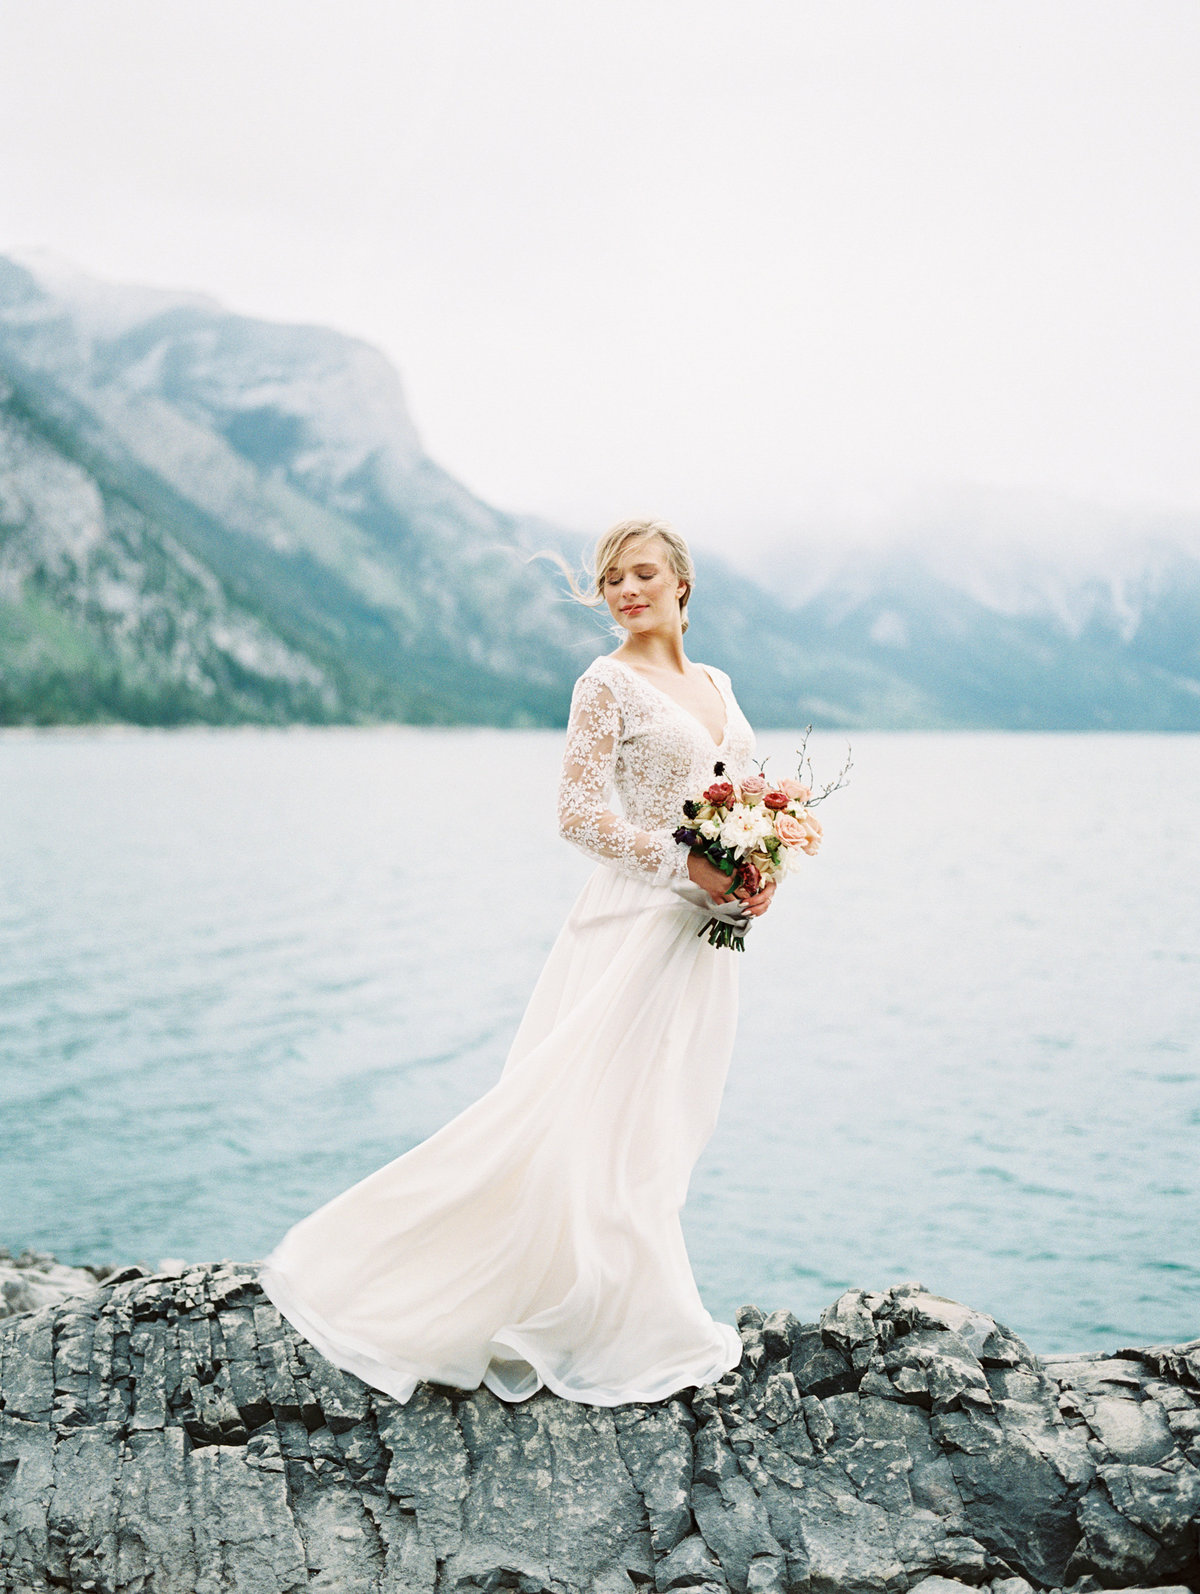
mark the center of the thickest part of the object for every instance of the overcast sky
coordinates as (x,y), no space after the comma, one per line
(734,263)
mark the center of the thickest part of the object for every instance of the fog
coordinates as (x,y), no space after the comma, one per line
(771,270)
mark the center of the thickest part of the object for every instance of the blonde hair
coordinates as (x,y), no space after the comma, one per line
(616,541)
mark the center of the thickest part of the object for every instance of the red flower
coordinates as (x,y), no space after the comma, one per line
(718,793)
(776,800)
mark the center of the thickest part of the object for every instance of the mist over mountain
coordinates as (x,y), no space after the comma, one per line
(1013,609)
(209,517)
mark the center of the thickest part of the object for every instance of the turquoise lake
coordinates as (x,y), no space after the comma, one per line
(241,969)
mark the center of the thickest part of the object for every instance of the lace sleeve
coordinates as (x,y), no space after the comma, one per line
(584,817)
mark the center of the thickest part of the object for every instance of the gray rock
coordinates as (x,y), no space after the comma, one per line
(779,1332)
(928,1368)
(851,1326)
(819,1368)
(689,1565)
(911,1307)
(655,1443)
(750,1327)
(168,1433)
(35,1278)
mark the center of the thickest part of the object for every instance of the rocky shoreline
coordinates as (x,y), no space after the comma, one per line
(168,1433)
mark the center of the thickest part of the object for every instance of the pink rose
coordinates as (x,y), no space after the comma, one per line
(794,791)
(789,830)
(754,785)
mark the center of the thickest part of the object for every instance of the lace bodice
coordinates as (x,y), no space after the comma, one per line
(627,735)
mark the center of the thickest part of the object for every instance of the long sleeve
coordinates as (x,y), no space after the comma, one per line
(584,817)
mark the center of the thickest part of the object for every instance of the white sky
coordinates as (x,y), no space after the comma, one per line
(728,262)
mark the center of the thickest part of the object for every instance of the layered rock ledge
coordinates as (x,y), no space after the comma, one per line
(169,1433)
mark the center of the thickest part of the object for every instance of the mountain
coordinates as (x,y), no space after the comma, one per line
(1010,609)
(211,517)
(204,516)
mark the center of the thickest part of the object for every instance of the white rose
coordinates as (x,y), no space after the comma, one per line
(710,830)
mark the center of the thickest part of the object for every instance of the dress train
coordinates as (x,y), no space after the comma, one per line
(535,1238)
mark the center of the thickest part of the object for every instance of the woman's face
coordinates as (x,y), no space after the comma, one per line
(642,590)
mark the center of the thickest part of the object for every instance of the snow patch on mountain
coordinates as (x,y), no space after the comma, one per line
(1023,555)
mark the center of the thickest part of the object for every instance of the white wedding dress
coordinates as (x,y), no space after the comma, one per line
(535,1238)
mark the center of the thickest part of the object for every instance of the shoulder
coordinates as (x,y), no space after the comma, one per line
(599,684)
(718,675)
(602,671)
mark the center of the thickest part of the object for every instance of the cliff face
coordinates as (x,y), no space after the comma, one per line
(170,1433)
(204,517)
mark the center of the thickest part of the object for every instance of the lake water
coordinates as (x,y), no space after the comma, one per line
(239,970)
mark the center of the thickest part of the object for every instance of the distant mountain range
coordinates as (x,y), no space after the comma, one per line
(210,518)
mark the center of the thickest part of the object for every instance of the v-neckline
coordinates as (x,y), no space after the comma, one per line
(724,729)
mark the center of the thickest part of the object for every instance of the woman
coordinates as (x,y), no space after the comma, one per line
(535,1238)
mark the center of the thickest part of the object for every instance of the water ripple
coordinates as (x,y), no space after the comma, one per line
(233,982)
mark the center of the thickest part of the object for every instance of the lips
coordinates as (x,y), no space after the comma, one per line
(635,608)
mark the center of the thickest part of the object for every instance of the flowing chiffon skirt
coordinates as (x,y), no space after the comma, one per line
(535,1238)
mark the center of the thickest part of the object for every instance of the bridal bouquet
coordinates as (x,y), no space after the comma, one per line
(753,830)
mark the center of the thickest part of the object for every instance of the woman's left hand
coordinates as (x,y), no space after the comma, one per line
(761,899)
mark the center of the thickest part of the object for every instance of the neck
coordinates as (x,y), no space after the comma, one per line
(656,650)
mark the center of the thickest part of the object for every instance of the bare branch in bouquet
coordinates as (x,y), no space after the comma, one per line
(802,756)
(841,779)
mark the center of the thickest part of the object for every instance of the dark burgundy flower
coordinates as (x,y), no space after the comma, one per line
(749,876)
(688,837)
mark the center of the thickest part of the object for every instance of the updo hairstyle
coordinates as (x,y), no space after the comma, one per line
(616,541)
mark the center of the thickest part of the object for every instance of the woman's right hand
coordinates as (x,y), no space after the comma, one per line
(706,875)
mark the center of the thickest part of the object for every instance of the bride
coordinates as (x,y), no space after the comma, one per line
(535,1238)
